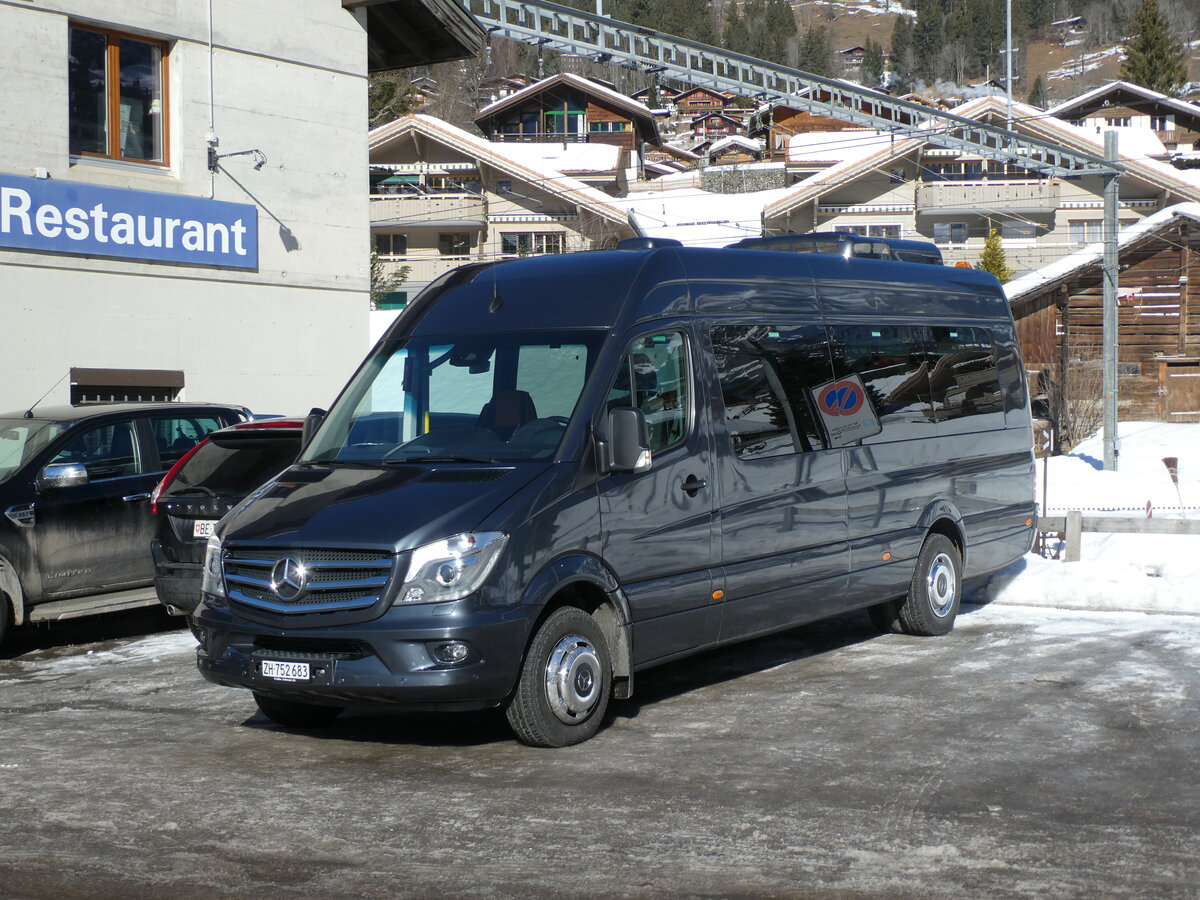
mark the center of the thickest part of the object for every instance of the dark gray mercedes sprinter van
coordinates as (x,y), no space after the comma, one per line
(553,473)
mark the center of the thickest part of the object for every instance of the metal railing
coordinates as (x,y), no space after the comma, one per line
(600,37)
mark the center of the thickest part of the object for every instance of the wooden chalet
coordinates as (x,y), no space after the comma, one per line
(567,108)
(699,100)
(1058,310)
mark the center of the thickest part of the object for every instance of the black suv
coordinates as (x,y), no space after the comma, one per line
(75,486)
(211,479)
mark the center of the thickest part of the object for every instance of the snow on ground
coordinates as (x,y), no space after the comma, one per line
(1150,573)
(1086,62)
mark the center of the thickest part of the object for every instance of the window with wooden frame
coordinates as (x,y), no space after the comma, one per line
(117,96)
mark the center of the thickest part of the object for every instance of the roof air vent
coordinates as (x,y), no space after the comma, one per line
(647,243)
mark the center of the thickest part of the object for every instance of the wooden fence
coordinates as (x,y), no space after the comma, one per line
(1074,523)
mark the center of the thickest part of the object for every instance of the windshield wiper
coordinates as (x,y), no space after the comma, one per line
(397,460)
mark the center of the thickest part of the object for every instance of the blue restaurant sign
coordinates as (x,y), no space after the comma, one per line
(70,217)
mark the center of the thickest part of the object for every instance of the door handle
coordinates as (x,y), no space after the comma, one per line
(134,498)
(691,485)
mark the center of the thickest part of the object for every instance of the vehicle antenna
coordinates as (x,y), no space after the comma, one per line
(29,412)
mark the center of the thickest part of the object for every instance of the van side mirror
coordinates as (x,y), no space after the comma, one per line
(628,445)
(62,475)
(311,423)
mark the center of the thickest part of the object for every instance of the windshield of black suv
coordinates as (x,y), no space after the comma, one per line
(20,439)
(479,398)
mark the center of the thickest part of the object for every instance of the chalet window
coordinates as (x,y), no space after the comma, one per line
(116,89)
(1162,123)
(1086,231)
(950,232)
(391,244)
(607,127)
(1117,121)
(530,243)
(454,244)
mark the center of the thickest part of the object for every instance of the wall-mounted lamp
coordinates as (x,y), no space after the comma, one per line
(214,158)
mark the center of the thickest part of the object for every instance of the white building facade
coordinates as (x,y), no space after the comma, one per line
(143,251)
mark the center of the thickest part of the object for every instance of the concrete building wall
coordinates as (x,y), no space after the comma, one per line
(288,80)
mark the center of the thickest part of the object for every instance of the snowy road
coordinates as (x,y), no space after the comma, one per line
(1033,752)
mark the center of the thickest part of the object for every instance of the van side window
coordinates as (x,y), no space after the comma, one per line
(963,377)
(893,363)
(657,369)
(766,377)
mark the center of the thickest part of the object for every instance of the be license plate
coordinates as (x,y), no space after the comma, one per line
(203,527)
(285,671)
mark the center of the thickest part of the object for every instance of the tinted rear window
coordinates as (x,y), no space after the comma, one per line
(235,470)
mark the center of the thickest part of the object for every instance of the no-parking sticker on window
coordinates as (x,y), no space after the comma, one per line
(846,411)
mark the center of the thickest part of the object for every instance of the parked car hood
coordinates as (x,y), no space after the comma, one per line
(392,507)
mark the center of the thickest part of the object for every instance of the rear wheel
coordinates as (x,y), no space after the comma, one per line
(935,591)
(565,682)
(294,714)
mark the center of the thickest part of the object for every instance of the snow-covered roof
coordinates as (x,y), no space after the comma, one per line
(735,140)
(584,84)
(498,155)
(1027,118)
(699,218)
(1064,110)
(572,157)
(836,146)
(1062,269)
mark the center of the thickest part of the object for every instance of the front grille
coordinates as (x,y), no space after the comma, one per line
(334,580)
(307,648)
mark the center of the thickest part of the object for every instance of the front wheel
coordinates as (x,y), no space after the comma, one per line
(565,682)
(293,714)
(935,591)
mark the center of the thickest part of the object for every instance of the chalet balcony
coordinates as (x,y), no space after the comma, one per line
(455,211)
(540,137)
(1028,198)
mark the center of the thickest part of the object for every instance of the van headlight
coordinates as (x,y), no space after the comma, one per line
(212,581)
(450,569)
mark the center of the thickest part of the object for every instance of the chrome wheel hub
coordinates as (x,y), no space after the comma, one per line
(573,679)
(939,585)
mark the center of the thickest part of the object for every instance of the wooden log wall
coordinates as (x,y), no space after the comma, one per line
(1158,316)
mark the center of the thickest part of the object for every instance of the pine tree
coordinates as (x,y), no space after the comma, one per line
(901,55)
(993,259)
(1037,95)
(872,63)
(1153,58)
(816,52)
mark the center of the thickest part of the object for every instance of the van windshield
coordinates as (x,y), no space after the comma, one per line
(480,398)
(20,439)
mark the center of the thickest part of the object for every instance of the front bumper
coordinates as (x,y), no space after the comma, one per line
(387,660)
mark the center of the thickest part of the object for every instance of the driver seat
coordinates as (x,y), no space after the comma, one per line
(506,412)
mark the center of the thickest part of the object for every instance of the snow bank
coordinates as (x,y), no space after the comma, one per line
(1146,573)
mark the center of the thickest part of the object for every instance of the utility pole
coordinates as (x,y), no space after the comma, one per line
(1008,61)
(1110,333)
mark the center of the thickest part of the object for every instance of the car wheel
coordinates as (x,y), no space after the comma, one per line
(565,682)
(935,591)
(293,714)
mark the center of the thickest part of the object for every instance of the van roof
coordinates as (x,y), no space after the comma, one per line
(594,290)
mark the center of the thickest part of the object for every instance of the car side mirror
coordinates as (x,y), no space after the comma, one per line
(628,444)
(62,475)
(311,423)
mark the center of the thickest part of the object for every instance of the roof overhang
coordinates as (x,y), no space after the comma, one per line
(404,33)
